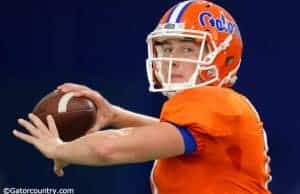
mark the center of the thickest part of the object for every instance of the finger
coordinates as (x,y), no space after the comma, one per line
(97,127)
(94,96)
(67,87)
(38,123)
(61,86)
(27,138)
(64,85)
(29,127)
(52,125)
(79,93)
(91,94)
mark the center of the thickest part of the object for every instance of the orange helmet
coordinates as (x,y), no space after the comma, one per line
(212,27)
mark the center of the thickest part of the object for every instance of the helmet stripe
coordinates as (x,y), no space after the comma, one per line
(176,13)
(171,12)
(182,11)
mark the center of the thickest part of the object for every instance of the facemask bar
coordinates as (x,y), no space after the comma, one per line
(164,34)
(203,63)
(167,85)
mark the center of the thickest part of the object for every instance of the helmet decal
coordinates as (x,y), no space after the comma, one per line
(222,24)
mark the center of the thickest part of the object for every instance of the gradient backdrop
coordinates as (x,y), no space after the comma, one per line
(102,44)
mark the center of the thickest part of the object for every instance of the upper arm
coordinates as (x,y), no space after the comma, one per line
(145,143)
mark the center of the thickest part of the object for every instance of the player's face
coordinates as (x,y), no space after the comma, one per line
(179,48)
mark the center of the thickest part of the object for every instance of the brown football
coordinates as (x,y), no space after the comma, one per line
(73,115)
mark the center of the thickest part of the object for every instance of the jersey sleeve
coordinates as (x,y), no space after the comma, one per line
(188,138)
(211,112)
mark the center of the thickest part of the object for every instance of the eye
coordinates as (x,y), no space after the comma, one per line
(188,49)
(168,50)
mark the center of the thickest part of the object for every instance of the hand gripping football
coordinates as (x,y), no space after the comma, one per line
(73,115)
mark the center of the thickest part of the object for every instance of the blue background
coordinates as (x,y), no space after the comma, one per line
(102,44)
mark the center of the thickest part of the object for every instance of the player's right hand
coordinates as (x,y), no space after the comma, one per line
(105,111)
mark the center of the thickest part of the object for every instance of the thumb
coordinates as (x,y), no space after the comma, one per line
(58,168)
(97,127)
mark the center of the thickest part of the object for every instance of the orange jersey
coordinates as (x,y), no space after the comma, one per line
(231,154)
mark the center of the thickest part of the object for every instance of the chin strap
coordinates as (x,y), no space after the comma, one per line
(169,94)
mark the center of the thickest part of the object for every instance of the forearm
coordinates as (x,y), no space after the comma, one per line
(87,150)
(124,118)
(128,145)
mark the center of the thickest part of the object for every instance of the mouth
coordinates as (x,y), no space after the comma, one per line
(176,77)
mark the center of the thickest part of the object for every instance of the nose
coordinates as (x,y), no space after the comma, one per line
(175,64)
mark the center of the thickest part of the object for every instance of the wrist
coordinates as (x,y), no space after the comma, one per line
(58,151)
(115,117)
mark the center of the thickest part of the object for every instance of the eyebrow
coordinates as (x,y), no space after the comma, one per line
(181,40)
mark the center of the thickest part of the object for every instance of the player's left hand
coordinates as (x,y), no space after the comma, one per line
(43,138)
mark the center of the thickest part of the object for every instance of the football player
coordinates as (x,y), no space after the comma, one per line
(209,138)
